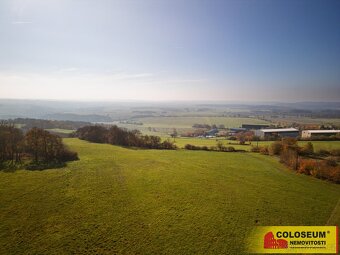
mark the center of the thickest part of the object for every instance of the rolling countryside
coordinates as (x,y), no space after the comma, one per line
(136,201)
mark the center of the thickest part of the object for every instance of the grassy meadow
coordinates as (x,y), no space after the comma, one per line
(117,200)
(182,141)
(60,130)
(307,120)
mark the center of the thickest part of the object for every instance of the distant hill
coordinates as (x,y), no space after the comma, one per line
(118,111)
(27,123)
(78,117)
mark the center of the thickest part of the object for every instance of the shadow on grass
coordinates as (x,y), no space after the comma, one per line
(32,166)
(43,166)
(9,167)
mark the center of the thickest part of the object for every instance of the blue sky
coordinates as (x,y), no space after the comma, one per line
(170,50)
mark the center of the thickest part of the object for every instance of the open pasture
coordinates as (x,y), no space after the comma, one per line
(182,141)
(117,200)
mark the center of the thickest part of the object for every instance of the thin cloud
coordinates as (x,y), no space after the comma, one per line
(129,76)
(70,69)
(178,81)
(21,22)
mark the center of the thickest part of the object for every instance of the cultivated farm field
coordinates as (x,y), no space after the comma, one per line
(118,200)
(165,125)
(188,122)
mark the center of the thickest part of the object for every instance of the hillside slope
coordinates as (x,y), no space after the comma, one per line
(118,200)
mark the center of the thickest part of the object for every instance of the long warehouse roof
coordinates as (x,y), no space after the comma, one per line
(280,130)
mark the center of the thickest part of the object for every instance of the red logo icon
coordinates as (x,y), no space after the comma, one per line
(271,243)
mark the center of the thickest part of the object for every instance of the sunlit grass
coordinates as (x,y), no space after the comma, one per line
(117,200)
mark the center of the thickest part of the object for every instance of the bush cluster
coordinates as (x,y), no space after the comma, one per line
(38,145)
(334,152)
(122,137)
(322,169)
(211,148)
(302,159)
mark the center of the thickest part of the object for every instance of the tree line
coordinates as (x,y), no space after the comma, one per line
(206,126)
(219,147)
(122,137)
(37,146)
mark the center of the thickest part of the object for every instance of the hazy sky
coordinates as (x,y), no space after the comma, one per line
(170,50)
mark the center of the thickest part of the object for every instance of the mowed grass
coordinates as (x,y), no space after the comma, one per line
(117,200)
(182,141)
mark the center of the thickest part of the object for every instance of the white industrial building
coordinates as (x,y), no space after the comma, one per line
(311,133)
(277,132)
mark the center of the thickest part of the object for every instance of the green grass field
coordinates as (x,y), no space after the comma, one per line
(188,122)
(182,141)
(306,120)
(60,130)
(117,200)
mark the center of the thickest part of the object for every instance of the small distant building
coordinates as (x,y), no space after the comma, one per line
(254,126)
(277,132)
(234,131)
(211,133)
(313,133)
